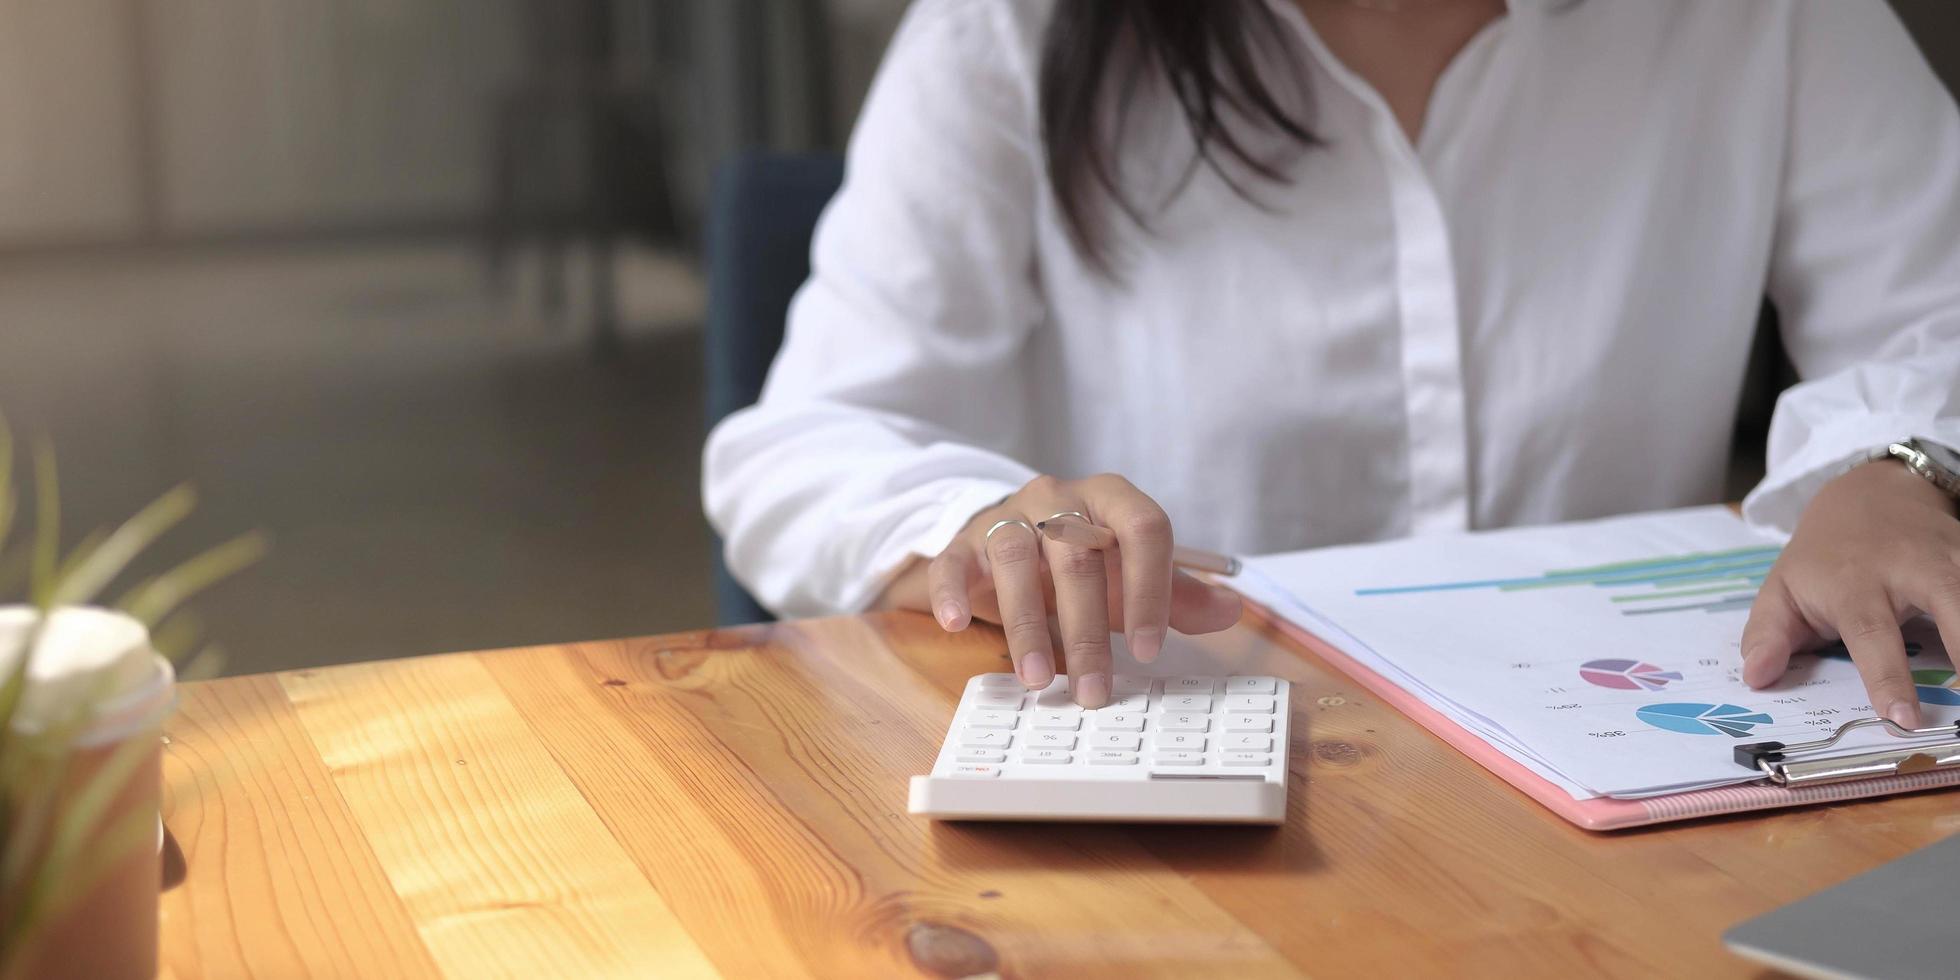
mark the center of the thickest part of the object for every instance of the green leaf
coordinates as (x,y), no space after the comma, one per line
(36,807)
(176,636)
(12,690)
(8,501)
(106,850)
(93,569)
(60,886)
(156,598)
(88,544)
(45,757)
(13,568)
(43,879)
(204,666)
(85,810)
(47,523)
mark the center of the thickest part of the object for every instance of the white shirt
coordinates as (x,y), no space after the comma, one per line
(1540,311)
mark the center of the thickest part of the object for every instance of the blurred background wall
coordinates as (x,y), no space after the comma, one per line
(413,285)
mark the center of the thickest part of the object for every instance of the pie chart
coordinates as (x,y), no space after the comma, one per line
(1732,720)
(1937,686)
(1627,675)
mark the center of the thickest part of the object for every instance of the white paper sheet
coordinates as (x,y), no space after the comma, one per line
(1604,656)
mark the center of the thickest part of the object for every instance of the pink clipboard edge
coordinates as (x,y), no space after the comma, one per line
(1600,814)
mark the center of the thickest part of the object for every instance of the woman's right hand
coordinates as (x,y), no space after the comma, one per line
(1016,577)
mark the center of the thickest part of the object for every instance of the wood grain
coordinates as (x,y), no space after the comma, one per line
(279,880)
(502,866)
(785,820)
(735,801)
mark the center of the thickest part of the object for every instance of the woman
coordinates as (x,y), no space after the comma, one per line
(1305,272)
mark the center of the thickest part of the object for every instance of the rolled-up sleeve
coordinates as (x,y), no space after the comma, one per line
(890,415)
(1866,268)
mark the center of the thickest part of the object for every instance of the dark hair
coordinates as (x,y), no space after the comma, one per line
(1204,51)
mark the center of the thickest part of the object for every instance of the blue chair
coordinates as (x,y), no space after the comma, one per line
(762,211)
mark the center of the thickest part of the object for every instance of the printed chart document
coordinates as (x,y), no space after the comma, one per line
(1604,656)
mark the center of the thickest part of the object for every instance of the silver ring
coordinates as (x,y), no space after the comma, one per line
(1078,515)
(1002,524)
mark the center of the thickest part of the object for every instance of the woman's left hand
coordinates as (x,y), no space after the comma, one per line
(1875,547)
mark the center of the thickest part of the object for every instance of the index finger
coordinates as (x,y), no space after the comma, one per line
(1143,535)
(1775,630)
(1870,630)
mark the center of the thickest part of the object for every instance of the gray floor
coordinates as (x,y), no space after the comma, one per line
(439,468)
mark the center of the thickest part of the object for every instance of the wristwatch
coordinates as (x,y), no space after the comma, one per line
(1931,460)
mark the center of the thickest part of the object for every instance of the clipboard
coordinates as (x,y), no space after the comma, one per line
(1800,774)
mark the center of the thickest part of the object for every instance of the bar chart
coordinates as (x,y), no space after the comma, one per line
(1711,581)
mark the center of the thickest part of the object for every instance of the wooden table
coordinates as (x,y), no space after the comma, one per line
(733,803)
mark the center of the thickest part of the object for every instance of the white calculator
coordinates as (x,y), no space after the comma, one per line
(1165,749)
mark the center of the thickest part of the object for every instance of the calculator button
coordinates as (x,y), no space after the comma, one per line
(998,699)
(1180,740)
(991,719)
(1050,740)
(1188,685)
(981,755)
(1119,721)
(1248,723)
(1128,702)
(1199,703)
(1116,740)
(985,738)
(1250,685)
(1111,757)
(975,772)
(1185,723)
(1248,759)
(1008,681)
(1046,757)
(1060,719)
(1179,758)
(1130,685)
(1255,703)
(1251,743)
(1055,695)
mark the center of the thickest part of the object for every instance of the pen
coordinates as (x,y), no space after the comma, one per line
(1088,535)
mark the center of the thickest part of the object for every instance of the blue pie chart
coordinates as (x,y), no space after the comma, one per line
(1688,718)
(1937,686)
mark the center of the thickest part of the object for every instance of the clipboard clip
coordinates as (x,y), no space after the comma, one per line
(1927,750)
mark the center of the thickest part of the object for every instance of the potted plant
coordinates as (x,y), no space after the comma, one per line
(84,690)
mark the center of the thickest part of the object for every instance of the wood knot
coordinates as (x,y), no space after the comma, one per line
(615,682)
(950,951)
(1340,755)
(676,664)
